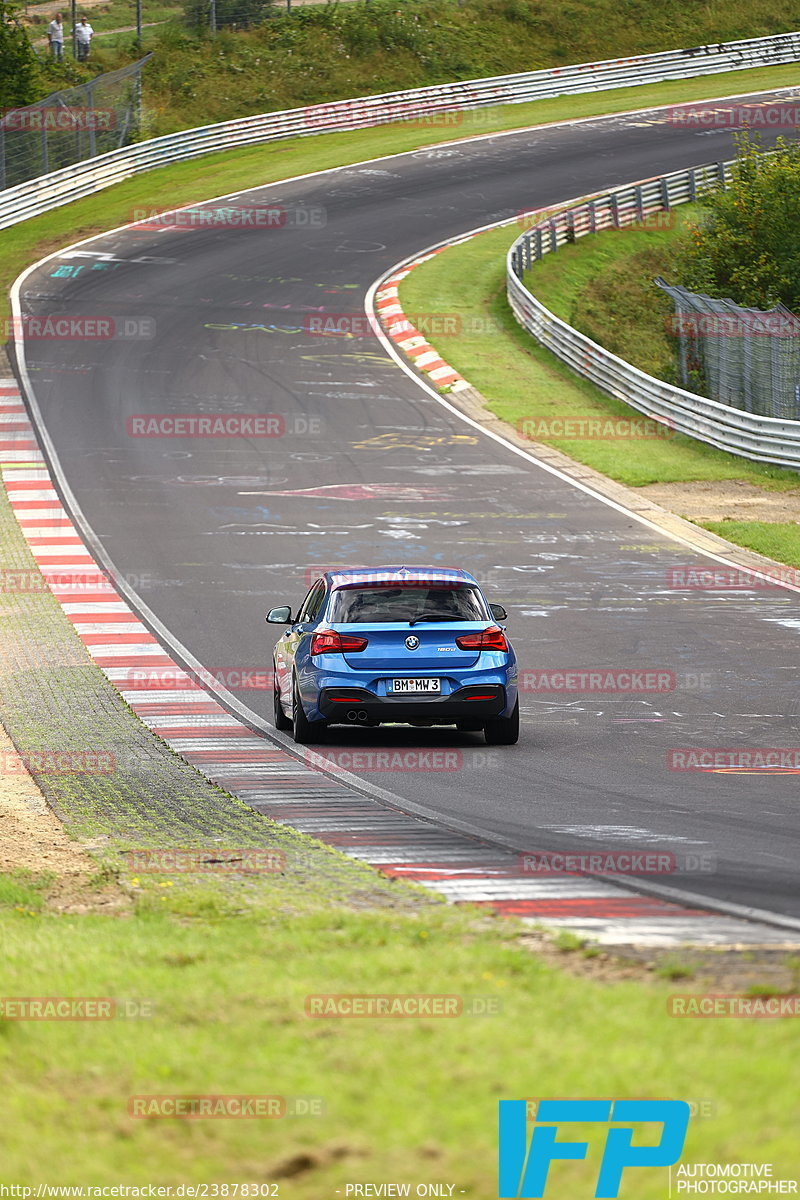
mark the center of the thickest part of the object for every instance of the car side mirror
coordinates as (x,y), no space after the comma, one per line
(279,616)
(498,612)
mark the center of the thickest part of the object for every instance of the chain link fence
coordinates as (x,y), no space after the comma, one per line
(738,356)
(67,127)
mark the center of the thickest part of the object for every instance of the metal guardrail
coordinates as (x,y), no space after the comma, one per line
(764,439)
(50,191)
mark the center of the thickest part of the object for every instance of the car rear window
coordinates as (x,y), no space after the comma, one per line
(382,605)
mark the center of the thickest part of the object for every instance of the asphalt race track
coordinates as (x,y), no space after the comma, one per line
(212,532)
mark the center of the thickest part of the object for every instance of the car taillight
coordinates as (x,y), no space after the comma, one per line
(492,638)
(332,642)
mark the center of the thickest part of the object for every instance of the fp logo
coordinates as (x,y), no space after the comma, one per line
(412,641)
(523,1169)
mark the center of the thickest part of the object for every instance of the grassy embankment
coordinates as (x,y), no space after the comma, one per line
(331,51)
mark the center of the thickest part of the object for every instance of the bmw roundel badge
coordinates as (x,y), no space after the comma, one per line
(412,641)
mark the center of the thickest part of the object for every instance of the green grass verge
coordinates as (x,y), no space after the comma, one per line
(21,892)
(775,539)
(603,285)
(229,171)
(226,967)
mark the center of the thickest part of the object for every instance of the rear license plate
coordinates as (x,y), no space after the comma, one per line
(415,685)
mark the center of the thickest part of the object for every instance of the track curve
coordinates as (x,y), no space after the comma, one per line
(212,532)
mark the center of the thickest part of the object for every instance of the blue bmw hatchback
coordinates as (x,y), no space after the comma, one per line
(419,645)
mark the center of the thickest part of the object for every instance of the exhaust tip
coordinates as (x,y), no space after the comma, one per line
(352,715)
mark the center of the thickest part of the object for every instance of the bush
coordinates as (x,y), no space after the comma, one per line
(746,247)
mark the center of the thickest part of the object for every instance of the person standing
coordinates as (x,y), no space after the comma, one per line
(55,36)
(83,38)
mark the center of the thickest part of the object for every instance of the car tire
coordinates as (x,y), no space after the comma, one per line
(467,726)
(282,722)
(305,732)
(503,731)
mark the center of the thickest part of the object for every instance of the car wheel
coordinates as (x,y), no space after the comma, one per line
(305,732)
(280,718)
(503,731)
(469,726)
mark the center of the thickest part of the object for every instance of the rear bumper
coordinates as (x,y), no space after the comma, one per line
(477,701)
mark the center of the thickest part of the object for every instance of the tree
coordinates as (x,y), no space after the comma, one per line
(18,67)
(746,247)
